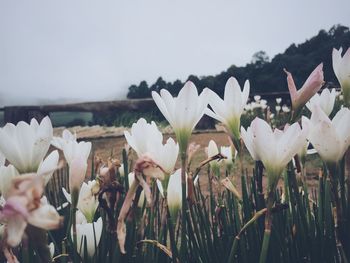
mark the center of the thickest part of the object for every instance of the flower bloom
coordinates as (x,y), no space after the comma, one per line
(275,148)
(174,194)
(213,150)
(91,232)
(155,158)
(67,136)
(227,152)
(87,201)
(74,149)
(325,101)
(331,138)
(311,86)
(77,171)
(341,67)
(229,110)
(184,111)
(25,145)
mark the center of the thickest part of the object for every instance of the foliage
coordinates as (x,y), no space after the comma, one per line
(266,76)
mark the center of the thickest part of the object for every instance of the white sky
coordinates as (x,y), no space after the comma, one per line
(85,50)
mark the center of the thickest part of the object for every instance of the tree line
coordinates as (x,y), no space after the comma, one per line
(266,75)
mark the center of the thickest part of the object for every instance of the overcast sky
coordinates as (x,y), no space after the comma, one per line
(94,50)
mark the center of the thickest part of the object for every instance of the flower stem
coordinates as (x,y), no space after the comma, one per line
(171,230)
(75,197)
(268,224)
(183,247)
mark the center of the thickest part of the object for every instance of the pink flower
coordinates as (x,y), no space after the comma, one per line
(311,86)
(25,205)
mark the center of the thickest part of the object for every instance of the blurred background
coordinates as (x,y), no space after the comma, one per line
(56,57)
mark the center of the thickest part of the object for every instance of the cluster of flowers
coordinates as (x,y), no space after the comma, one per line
(24,146)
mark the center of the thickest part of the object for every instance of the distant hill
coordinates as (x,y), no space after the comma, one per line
(265,75)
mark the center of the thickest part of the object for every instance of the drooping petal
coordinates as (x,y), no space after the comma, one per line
(45,217)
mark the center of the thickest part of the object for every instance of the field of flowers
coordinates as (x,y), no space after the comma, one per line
(138,208)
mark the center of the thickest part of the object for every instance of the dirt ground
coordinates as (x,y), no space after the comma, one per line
(112,146)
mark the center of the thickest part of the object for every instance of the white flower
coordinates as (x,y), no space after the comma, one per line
(74,149)
(331,139)
(184,111)
(278,108)
(25,145)
(174,193)
(278,101)
(341,67)
(285,108)
(67,136)
(325,101)
(121,170)
(147,140)
(257,98)
(91,232)
(248,138)
(52,249)
(213,150)
(2,159)
(77,171)
(87,201)
(48,166)
(274,148)
(230,109)
(227,152)
(143,136)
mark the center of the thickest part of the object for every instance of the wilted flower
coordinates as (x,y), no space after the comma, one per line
(131,177)
(192,149)
(7,173)
(91,234)
(341,67)
(274,148)
(331,138)
(25,205)
(230,109)
(325,101)
(311,86)
(182,112)
(87,200)
(25,145)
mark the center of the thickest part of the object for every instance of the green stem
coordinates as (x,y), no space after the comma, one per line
(75,197)
(171,230)
(268,224)
(183,247)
